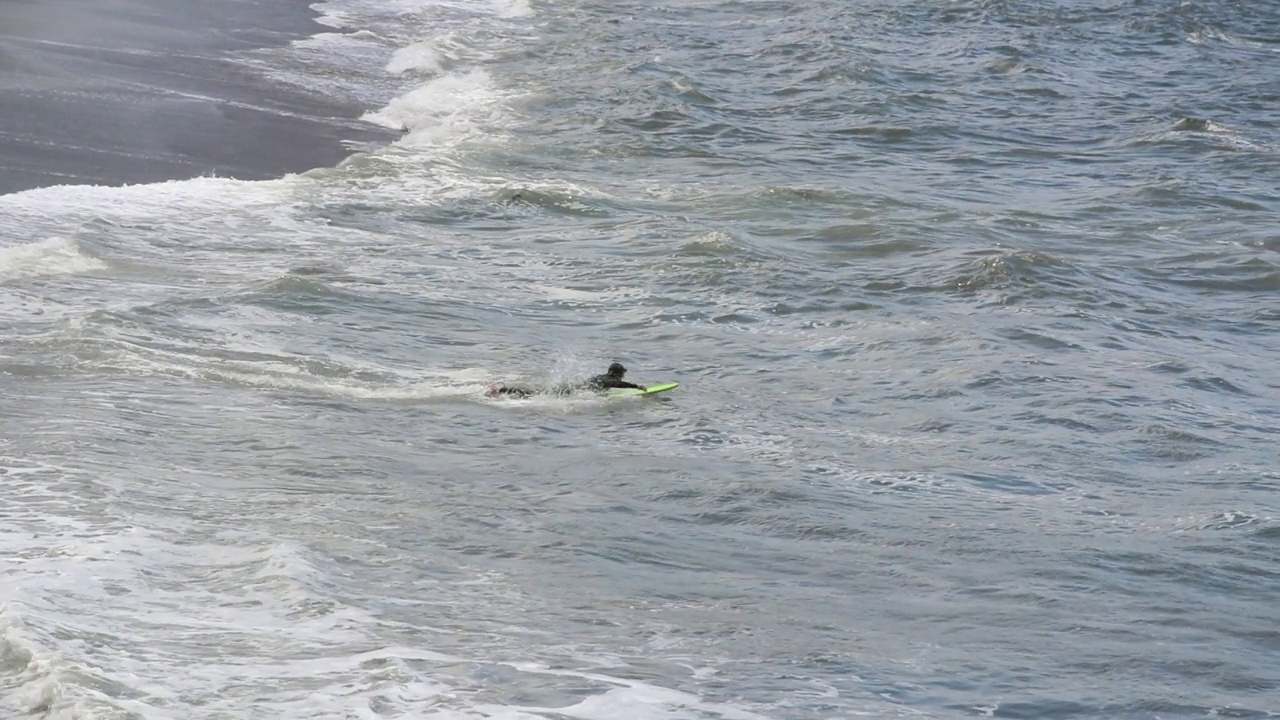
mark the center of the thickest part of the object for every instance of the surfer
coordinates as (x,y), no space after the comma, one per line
(612,378)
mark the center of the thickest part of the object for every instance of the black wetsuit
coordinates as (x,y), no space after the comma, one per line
(607,382)
(512,391)
(597,383)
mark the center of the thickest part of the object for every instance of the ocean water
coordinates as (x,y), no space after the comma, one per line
(973,303)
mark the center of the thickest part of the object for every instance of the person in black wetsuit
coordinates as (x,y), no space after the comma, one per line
(612,378)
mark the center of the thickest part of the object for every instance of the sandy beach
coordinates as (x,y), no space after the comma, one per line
(135,91)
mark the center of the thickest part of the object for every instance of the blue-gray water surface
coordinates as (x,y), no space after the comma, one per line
(973,305)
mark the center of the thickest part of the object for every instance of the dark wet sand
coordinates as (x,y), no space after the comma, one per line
(131,91)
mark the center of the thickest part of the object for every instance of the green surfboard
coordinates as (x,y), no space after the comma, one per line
(651,390)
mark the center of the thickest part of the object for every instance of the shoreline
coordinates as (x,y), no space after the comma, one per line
(121,92)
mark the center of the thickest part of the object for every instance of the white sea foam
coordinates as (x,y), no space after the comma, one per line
(217,625)
(248,607)
(54,256)
(445,110)
(421,57)
(69,206)
(515,8)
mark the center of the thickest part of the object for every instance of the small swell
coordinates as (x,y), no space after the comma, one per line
(1252,275)
(1016,276)
(1270,533)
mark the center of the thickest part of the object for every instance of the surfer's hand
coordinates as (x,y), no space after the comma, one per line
(642,387)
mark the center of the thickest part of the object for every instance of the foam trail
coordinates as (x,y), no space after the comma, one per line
(627,700)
